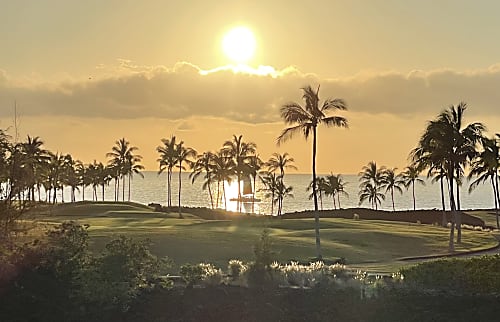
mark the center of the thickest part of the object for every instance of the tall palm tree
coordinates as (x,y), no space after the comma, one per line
(131,167)
(240,152)
(341,189)
(446,139)
(331,186)
(121,154)
(280,162)
(370,173)
(184,155)
(410,176)
(281,191)
(270,182)
(254,166)
(168,160)
(372,194)
(485,166)
(321,188)
(371,180)
(35,156)
(204,164)
(391,182)
(223,165)
(305,120)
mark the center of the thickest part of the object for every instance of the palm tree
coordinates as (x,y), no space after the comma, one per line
(223,165)
(409,177)
(391,182)
(447,140)
(280,162)
(167,160)
(240,152)
(122,154)
(341,189)
(204,164)
(132,166)
(371,180)
(305,120)
(321,188)
(254,166)
(184,155)
(372,194)
(35,156)
(485,166)
(281,192)
(270,181)
(371,174)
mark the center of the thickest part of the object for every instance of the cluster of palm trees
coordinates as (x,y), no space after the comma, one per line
(235,160)
(447,148)
(376,182)
(29,172)
(330,186)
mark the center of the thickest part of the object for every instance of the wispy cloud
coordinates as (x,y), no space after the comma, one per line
(130,91)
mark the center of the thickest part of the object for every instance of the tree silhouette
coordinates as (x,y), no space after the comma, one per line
(240,152)
(184,155)
(448,142)
(305,120)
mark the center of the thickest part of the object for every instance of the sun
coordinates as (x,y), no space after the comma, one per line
(239,44)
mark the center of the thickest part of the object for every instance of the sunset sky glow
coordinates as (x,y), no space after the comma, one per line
(86,73)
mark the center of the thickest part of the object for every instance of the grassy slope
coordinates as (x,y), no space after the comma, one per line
(487,215)
(372,245)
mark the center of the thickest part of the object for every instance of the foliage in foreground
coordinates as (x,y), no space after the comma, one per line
(478,275)
(59,279)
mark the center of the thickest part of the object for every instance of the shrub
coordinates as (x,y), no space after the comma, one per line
(210,274)
(191,274)
(463,276)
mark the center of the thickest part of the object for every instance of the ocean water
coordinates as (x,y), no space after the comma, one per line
(152,189)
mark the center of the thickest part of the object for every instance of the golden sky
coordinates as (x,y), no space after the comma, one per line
(86,73)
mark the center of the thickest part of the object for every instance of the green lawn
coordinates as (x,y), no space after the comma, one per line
(487,215)
(371,245)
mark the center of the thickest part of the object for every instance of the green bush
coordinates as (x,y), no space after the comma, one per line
(477,275)
(191,274)
(58,279)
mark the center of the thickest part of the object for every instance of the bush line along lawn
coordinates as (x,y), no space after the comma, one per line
(368,244)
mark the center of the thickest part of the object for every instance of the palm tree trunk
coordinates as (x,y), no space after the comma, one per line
(392,197)
(338,199)
(334,203)
(123,188)
(218,194)
(451,245)
(224,193)
(180,186)
(497,199)
(443,221)
(253,195)
(129,187)
(169,197)
(272,203)
(316,212)
(210,193)
(413,193)
(103,192)
(238,203)
(459,214)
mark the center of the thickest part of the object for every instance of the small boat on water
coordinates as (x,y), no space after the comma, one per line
(246,199)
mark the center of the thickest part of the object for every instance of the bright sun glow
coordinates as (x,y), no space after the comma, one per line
(239,44)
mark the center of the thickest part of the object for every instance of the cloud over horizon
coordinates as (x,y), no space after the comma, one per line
(129,91)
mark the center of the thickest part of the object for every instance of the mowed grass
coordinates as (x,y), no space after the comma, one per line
(488,216)
(371,245)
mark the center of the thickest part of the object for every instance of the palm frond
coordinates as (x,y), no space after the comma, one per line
(336,121)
